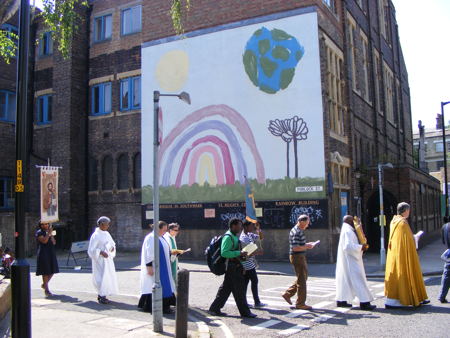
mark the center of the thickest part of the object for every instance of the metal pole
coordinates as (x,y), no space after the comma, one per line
(157,290)
(445,158)
(381,217)
(20,270)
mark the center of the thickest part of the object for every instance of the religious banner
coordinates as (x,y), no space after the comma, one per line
(49,194)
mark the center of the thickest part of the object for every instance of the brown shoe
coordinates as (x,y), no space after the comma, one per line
(287,298)
(303,307)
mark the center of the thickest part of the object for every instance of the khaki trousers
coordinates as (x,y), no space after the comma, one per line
(299,286)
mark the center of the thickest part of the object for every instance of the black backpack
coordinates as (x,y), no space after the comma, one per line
(216,263)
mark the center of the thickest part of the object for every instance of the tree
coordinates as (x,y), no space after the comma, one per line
(60,18)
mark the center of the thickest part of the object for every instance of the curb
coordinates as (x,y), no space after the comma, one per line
(5,297)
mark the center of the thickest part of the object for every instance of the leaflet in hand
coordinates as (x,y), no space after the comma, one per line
(416,238)
(250,248)
(315,243)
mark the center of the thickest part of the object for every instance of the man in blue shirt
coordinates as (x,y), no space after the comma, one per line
(445,283)
(234,281)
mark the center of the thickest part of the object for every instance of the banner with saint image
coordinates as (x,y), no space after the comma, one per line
(49,194)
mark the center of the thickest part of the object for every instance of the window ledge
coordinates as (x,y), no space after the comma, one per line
(100,116)
(127,112)
(99,42)
(342,138)
(42,126)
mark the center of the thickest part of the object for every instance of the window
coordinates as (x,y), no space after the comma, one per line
(7,106)
(102,28)
(335,87)
(46,44)
(383,12)
(93,174)
(131,20)
(352,46)
(107,173)
(331,5)
(377,77)
(439,147)
(389,92)
(122,172)
(137,171)
(44,109)
(130,93)
(12,33)
(365,66)
(6,193)
(101,99)
(340,174)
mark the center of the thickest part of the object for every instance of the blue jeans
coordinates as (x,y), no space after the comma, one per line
(445,283)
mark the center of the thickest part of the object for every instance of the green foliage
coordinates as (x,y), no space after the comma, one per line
(176,12)
(279,189)
(61,19)
(8,45)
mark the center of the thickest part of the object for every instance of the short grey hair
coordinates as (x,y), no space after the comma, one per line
(402,207)
(103,219)
(302,218)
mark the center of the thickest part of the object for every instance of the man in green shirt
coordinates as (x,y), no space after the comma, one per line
(234,281)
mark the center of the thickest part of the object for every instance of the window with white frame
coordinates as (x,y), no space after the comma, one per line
(352,46)
(131,21)
(101,99)
(130,93)
(6,193)
(365,66)
(335,85)
(44,109)
(389,92)
(102,28)
(439,147)
(7,106)
(377,78)
(46,44)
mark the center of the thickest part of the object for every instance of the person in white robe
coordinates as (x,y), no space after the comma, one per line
(170,235)
(102,250)
(148,273)
(350,275)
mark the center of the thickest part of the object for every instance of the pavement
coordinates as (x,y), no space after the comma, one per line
(91,321)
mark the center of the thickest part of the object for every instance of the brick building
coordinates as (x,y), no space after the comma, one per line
(87,119)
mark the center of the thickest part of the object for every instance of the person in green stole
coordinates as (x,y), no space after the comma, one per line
(174,229)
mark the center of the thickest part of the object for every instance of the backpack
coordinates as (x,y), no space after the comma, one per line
(216,263)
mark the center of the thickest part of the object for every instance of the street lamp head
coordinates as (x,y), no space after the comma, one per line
(183,96)
(388,165)
(444,103)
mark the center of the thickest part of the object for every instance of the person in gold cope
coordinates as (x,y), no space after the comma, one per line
(403,282)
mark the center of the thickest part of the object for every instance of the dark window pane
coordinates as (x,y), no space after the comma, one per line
(98,29)
(49,108)
(11,107)
(3,107)
(41,110)
(107,172)
(136,92)
(96,100)
(124,92)
(122,172)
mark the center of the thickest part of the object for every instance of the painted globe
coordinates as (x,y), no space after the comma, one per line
(270,59)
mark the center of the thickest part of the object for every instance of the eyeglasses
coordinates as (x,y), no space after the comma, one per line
(177,230)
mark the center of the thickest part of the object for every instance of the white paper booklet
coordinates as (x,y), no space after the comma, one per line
(250,248)
(416,238)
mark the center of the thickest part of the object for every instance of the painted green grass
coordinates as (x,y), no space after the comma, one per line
(280,189)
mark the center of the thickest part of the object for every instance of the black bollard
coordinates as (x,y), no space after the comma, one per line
(181,316)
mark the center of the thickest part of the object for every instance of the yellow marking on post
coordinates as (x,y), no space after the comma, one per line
(19,187)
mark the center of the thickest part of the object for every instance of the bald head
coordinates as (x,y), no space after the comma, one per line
(348,219)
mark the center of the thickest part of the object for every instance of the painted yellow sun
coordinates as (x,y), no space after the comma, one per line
(172,70)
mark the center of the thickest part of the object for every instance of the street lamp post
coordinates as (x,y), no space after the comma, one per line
(381,218)
(157,289)
(20,270)
(445,157)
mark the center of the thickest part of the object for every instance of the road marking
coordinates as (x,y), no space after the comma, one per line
(297,313)
(322,318)
(265,324)
(321,305)
(342,309)
(203,329)
(292,330)
(380,293)
(380,285)
(118,323)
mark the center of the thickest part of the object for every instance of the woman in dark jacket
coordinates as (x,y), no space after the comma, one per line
(47,265)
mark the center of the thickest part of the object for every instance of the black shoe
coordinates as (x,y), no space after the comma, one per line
(249,315)
(367,306)
(343,304)
(443,301)
(259,305)
(217,313)
(425,302)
